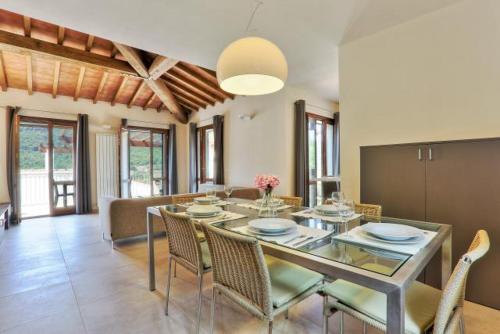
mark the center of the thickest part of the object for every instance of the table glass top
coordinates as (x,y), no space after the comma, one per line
(370,258)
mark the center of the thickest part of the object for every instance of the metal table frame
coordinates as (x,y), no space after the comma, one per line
(393,286)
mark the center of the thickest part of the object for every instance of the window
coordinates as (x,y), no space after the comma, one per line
(207,155)
(320,146)
(147,161)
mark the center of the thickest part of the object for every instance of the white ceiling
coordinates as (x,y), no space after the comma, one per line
(308,31)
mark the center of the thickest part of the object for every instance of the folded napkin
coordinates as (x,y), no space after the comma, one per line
(309,213)
(219,203)
(257,207)
(302,231)
(358,236)
(226,216)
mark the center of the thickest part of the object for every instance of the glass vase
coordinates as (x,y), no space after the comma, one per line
(267,206)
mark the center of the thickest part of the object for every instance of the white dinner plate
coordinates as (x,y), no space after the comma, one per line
(395,242)
(393,232)
(203,210)
(271,234)
(271,225)
(327,209)
(207,200)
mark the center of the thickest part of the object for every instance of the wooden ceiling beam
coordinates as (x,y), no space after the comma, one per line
(205,74)
(102,82)
(29,75)
(90,43)
(187,84)
(78,87)
(160,106)
(136,94)
(27,26)
(157,86)
(26,45)
(61,31)
(55,82)
(119,90)
(187,73)
(161,65)
(193,95)
(3,78)
(114,52)
(149,101)
(187,98)
(187,104)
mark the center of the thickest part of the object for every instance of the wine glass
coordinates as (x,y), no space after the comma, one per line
(346,210)
(228,190)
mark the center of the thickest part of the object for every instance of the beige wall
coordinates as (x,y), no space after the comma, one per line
(434,78)
(99,114)
(265,143)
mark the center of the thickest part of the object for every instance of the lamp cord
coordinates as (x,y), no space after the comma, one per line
(258,3)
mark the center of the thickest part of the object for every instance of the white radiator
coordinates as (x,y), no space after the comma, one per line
(107,165)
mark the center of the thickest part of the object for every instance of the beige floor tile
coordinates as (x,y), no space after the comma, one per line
(60,323)
(23,307)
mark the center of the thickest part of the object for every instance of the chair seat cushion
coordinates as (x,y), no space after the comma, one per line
(421,303)
(289,280)
(205,255)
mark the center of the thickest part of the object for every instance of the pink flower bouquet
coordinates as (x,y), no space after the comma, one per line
(266,182)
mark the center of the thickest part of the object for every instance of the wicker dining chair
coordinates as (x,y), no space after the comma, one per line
(184,198)
(186,249)
(263,285)
(426,308)
(368,210)
(291,200)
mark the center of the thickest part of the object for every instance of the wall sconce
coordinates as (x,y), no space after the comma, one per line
(246,117)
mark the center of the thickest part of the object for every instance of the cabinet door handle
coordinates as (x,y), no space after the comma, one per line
(430,153)
(419,154)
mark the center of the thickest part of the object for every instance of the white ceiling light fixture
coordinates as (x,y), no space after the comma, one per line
(252,66)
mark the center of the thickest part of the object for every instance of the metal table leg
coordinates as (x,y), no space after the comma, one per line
(396,312)
(446,261)
(151,252)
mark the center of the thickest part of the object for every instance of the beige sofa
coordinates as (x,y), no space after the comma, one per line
(122,218)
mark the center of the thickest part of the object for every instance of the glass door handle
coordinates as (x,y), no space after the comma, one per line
(430,153)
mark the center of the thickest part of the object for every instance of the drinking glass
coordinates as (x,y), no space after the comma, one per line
(346,211)
(228,190)
(211,193)
(337,197)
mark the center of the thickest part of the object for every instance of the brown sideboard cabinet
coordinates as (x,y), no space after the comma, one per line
(456,183)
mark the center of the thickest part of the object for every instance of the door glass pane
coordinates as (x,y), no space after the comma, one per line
(158,177)
(34,169)
(209,153)
(140,160)
(329,149)
(311,136)
(62,160)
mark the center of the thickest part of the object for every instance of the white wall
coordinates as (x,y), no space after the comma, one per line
(263,145)
(99,114)
(433,78)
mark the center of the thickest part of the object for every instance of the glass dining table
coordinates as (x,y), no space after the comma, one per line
(387,271)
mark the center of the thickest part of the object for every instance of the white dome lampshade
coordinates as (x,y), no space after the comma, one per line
(252,66)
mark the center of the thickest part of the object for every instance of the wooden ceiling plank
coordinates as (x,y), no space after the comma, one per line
(161,65)
(193,95)
(55,83)
(23,45)
(29,75)
(157,86)
(90,43)
(61,31)
(206,84)
(3,77)
(149,101)
(27,26)
(119,90)
(189,98)
(193,87)
(136,94)
(187,104)
(102,82)
(79,83)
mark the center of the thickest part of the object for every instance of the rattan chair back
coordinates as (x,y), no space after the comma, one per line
(291,200)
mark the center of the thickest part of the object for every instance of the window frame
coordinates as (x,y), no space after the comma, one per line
(202,177)
(165,178)
(325,121)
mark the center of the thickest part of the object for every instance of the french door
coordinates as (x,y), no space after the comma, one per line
(46,166)
(147,162)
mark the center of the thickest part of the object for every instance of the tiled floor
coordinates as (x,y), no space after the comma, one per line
(58,276)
